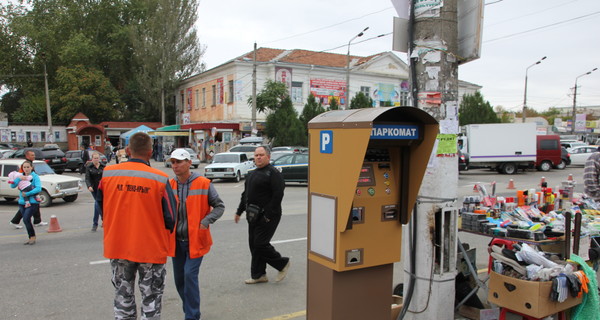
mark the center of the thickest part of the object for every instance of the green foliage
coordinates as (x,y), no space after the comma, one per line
(312,108)
(361,101)
(270,97)
(333,104)
(473,109)
(80,89)
(284,127)
(32,109)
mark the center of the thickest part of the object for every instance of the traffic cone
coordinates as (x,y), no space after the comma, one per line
(54,226)
(475,188)
(511,184)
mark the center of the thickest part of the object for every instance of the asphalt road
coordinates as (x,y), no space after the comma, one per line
(65,276)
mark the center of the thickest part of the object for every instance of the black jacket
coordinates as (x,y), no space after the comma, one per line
(263,187)
(93,175)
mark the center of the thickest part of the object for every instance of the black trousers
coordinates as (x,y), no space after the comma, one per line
(260,234)
(37,217)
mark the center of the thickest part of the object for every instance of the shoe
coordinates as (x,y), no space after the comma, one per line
(281,275)
(31,241)
(259,280)
(94,228)
(16,225)
(41,224)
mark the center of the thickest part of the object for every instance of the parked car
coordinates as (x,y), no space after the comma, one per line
(229,165)
(293,167)
(252,140)
(54,157)
(5,153)
(12,146)
(290,149)
(193,154)
(572,144)
(548,153)
(54,186)
(75,162)
(579,155)
(248,149)
(565,159)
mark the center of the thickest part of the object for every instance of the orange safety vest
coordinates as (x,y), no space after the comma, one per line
(134,225)
(197,207)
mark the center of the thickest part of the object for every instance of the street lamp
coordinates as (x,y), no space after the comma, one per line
(347,104)
(575,98)
(525,96)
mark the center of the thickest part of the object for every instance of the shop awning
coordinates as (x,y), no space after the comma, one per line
(177,133)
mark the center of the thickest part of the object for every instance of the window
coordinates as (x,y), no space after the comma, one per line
(230,100)
(197,100)
(214,95)
(297,92)
(203,97)
(404,98)
(365,90)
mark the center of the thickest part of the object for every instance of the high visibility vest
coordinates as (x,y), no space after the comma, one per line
(197,208)
(134,223)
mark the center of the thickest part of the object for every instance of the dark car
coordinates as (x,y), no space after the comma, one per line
(54,157)
(75,162)
(11,146)
(565,159)
(463,161)
(293,167)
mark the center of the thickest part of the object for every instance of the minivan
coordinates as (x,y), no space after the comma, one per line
(549,153)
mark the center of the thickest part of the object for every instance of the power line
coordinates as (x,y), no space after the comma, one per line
(329,26)
(542,27)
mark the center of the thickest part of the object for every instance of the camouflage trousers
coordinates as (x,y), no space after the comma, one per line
(151,283)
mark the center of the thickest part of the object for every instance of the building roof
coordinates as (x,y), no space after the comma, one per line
(307,57)
(129,124)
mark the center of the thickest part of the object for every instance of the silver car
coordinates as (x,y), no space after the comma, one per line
(193,154)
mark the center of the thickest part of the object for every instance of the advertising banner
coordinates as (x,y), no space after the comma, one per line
(325,89)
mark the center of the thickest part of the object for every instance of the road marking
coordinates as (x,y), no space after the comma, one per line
(289,240)
(288,316)
(99,262)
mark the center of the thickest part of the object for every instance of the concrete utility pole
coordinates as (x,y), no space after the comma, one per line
(575,99)
(254,129)
(429,240)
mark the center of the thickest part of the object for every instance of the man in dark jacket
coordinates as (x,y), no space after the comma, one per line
(263,189)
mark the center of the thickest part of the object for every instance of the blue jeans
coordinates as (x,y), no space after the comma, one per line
(96,209)
(27,214)
(185,271)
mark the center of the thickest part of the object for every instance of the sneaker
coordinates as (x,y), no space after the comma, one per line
(281,275)
(16,225)
(42,223)
(259,280)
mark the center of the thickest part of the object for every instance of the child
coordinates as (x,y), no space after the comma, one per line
(24,184)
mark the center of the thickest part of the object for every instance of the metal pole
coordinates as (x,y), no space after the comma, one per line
(525,95)
(575,99)
(347,103)
(254,129)
(50,137)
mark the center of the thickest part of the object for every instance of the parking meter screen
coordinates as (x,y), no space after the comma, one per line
(366,177)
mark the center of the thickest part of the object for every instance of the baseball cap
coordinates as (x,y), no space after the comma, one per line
(180,154)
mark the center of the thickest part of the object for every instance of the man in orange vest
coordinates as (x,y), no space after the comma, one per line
(138,207)
(191,239)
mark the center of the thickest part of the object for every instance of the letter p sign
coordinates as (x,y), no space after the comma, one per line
(326,144)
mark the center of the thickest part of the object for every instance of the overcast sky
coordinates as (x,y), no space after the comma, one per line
(517,33)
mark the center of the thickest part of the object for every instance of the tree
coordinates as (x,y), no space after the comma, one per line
(80,89)
(270,97)
(167,48)
(283,126)
(312,108)
(473,109)
(361,101)
(333,104)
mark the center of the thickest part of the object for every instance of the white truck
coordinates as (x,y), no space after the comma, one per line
(505,147)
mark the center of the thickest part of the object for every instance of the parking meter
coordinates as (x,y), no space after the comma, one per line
(365,170)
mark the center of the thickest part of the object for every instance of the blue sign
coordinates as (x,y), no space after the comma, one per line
(395,132)
(326,141)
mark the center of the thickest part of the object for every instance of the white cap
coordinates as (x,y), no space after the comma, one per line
(180,154)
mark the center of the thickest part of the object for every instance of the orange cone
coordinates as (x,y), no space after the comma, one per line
(475,188)
(54,226)
(511,184)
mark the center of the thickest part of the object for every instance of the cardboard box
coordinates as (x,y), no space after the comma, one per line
(396,306)
(531,298)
